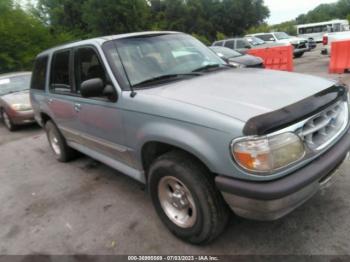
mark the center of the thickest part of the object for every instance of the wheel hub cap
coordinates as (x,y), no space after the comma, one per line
(54,143)
(177,202)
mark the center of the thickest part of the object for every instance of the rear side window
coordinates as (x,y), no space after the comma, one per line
(230,44)
(39,73)
(266,37)
(60,77)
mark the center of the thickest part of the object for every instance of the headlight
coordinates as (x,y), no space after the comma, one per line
(267,154)
(236,65)
(21,107)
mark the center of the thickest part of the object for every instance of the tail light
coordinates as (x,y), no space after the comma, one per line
(325,40)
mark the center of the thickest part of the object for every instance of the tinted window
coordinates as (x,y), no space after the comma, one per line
(60,80)
(317,29)
(309,30)
(266,37)
(230,44)
(88,66)
(336,27)
(39,73)
(241,44)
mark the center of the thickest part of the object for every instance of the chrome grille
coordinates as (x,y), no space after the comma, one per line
(322,129)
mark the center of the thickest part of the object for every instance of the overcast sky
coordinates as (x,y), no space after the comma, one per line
(284,10)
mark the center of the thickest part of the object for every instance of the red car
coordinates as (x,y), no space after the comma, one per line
(15,106)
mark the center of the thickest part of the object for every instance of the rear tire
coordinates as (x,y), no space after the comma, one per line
(58,144)
(7,121)
(184,195)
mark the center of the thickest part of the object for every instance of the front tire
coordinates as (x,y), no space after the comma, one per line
(7,121)
(58,144)
(184,195)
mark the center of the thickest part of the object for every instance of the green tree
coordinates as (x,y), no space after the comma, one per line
(325,12)
(234,17)
(22,36)
(115,17)
(62,15)
(202,38)
(289,27)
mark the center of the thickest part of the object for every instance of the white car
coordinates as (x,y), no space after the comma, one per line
(331,37)
(300,44)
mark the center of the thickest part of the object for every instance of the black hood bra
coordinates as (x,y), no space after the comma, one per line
(287,116)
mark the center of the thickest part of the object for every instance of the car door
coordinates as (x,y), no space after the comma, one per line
(61,100)
(100,118)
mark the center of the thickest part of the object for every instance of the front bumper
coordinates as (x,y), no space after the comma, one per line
(300,50)
(312,46)
(273,200)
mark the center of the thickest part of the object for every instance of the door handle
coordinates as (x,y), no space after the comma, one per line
(77,107)
(50,101)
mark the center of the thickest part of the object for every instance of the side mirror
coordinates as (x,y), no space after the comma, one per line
(95,87)
(92,88)
(248,47)
(272,39)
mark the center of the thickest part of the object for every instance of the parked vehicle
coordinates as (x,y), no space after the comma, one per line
(237,59)
(243,44)
(300,44)
(329,38)
(15,107)
(202,136)
(316,31)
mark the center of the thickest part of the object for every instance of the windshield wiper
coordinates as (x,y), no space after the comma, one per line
(165,77)
(210,66)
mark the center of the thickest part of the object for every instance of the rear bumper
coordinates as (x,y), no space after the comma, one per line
(23,117)
(273,200)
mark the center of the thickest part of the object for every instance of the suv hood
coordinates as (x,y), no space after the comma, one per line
(242,93)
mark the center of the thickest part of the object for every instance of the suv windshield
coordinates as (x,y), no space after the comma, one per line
(14,84)
(254,40)
(161,57)
(281,35)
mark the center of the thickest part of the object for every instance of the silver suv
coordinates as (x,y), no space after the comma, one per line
(162,108)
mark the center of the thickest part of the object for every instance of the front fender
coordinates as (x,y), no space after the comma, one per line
(209,145)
